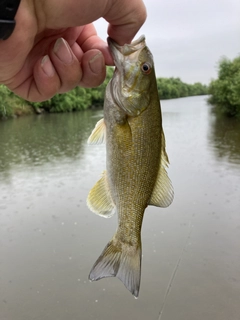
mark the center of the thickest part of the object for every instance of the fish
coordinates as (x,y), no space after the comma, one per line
(136,161)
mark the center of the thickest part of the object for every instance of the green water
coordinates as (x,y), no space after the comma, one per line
(49,239)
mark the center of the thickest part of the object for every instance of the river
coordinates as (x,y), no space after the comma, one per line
(49,239)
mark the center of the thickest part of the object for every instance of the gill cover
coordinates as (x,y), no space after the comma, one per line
(132,78)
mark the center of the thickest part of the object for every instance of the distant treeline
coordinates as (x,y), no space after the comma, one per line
(170,88)
(225,91)
(84,98)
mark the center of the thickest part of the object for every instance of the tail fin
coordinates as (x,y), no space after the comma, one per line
(122,261)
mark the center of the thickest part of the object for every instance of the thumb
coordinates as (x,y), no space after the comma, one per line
(125,19)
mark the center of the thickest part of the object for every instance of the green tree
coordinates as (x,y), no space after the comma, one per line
(225,91)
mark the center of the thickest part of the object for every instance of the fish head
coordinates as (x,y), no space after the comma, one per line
(134,73)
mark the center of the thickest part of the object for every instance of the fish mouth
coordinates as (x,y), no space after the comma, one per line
(127,49)
(131,50)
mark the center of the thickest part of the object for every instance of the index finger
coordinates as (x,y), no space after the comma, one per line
(88,39)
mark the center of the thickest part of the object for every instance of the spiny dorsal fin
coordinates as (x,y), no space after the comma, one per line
(99,199)
(98,134)
(163,193)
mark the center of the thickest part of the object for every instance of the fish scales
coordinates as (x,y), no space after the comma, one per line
(136,161)
(126,166)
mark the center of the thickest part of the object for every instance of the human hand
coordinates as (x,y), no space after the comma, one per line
(55,47)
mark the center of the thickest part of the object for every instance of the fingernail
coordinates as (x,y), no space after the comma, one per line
(62,51)
(47,66)
(97,63)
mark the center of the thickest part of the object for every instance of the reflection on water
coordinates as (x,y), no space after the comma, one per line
(49,240)
(33,141)
(224,138)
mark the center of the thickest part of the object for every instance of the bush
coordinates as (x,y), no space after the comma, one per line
(76,99)
(225,91)
(5,105)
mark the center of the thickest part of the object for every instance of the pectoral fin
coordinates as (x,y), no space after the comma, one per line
(99,199)
(98,134)
(163,193)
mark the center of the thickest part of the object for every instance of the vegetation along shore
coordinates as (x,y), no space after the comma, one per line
(224,94)
(225,91)
(84,98)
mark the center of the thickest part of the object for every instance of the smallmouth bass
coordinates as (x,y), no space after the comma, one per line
(136,161)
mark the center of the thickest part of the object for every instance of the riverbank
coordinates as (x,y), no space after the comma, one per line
(79,99)
(13,108)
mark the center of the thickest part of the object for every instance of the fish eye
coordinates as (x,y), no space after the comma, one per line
(146,68)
